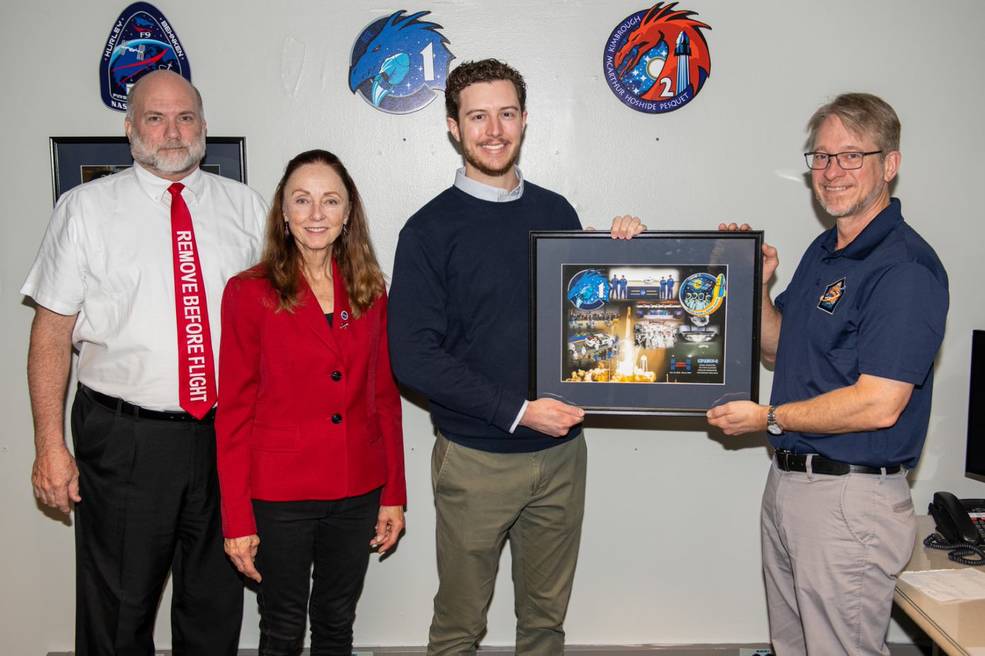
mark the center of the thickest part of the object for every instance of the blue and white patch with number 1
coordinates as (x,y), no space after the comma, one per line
(399,63)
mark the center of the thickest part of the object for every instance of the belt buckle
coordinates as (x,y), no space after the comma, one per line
(783,459)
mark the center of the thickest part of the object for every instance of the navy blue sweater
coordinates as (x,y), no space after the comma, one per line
(458,312)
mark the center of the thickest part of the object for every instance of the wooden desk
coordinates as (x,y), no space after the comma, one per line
(957,628)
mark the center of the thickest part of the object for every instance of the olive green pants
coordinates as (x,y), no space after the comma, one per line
(534,500)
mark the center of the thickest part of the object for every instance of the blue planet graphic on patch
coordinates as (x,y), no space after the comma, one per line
(133,58)
(588,290)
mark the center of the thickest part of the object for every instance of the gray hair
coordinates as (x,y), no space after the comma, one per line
(863,114)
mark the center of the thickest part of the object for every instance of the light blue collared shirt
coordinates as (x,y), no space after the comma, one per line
(483,191)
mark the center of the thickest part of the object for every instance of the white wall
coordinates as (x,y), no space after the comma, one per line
(670,548)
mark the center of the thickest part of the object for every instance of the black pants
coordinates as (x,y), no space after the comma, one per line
(294,535)
(150,504)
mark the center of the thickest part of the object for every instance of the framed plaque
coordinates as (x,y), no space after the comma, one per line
(75,160)
(666,323)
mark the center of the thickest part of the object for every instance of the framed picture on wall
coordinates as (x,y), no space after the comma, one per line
(75,160)
(666,323)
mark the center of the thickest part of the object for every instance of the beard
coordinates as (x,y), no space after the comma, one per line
(472,158)
(857,207)
(173,156)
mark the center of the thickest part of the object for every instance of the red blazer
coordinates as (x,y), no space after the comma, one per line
(305,411)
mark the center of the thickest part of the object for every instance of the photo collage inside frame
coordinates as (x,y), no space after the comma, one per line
(644,324)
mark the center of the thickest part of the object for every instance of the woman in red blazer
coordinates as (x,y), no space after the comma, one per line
(309,443)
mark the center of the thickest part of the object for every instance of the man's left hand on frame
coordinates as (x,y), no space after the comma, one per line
(389,525)
(738,417)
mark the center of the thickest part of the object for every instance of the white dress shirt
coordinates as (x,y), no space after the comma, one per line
(106,256)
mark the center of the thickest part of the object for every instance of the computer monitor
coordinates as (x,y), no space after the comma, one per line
(975,454)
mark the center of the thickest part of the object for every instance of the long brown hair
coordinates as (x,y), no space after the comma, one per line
(281,261)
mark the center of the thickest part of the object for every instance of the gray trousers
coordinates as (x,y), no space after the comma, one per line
(536,500)
(832,547)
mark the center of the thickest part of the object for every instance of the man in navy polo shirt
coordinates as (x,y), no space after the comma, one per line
(854,338)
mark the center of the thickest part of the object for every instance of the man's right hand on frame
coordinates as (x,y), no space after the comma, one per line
(243,552)
(551,416)
(55,478)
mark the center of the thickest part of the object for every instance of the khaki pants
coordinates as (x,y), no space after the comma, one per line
(832,547)
(536,500)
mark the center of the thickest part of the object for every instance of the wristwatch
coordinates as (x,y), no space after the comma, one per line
(771,425)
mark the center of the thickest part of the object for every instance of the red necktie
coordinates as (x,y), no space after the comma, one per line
(196,370)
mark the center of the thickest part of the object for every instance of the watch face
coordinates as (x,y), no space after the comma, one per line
(771,426)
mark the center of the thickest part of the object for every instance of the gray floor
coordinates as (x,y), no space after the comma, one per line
(921,647)
(574,650)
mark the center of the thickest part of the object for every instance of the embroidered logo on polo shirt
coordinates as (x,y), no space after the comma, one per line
(832,295)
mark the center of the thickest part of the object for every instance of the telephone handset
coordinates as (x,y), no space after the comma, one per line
(953,519)
(961,525)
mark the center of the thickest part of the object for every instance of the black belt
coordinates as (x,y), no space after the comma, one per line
(797,462)
(124,408)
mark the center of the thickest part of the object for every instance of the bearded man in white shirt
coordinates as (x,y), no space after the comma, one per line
(113,264)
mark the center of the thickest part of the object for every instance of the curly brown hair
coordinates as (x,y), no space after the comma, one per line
(486,70)
(281,261)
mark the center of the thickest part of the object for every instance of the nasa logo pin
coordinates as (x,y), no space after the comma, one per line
(657,59)
(832,295)
(141,40)
(399,63)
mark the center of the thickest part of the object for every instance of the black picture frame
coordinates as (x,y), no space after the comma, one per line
(650,349)
(75,160)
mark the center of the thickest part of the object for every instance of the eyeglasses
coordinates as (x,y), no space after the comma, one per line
(848,160)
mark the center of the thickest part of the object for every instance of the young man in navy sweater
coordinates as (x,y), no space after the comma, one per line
(503,467)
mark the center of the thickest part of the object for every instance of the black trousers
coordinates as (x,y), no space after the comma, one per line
(150,505)
(331,536)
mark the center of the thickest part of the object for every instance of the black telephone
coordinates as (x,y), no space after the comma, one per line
(953,520)
(961,535)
